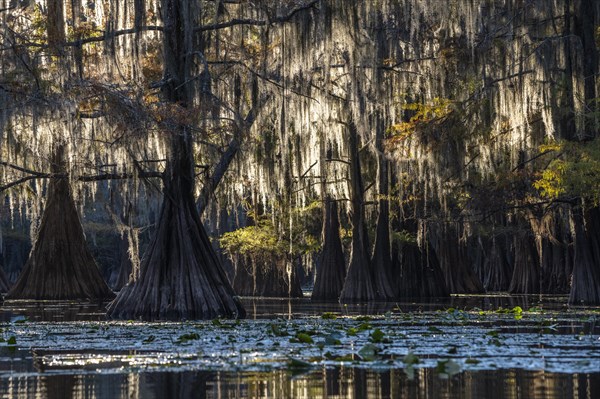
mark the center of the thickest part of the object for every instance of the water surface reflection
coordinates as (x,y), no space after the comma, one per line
(326,383)
(67,350)
(261,308)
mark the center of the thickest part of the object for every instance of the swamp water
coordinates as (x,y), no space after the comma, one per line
(463,347)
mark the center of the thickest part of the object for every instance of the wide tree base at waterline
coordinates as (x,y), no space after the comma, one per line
(60,266)
(180,277)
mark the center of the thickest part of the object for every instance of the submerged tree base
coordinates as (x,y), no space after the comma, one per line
(60,267)
(585,288)
(180,276)
(331,272)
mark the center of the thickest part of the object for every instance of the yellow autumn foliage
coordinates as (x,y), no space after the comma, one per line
(574,171)
(424,114)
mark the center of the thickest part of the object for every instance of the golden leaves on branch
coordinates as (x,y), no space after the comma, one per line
(573,170)
(423,115)
(424,119)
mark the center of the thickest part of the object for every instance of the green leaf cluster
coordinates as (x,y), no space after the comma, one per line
(574,171)
(260,240)
(264,241)
(404,237)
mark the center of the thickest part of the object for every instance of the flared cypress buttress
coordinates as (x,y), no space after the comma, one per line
(4,283)
(358,285)
(60,265)
(585,285)
(181,276)
(332,265)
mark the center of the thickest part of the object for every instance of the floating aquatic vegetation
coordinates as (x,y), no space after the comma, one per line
(551,341)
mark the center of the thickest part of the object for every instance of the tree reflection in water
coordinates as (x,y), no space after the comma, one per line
(344,382)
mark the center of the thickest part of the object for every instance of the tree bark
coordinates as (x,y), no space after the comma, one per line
(60,265)
(458,273)
(211,183)
(331,270)
(381,259)
(55,26)
(567,123)
(358,285)
(585,27)
(432,279)
(585,286)
(241,130)
(181,276)
(266,279)
(497,267)
(526,273)
(556,255)
(420,274)
(4,283)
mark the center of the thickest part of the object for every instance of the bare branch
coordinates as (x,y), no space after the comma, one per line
(17,182)
(229,24)
(308,170)
(83,178)
(256,22)
(91,115)
(8,8)
(110,35)
(295,11)
(24,170)
(118,176)
(541,154)
(338,160)
(243,126)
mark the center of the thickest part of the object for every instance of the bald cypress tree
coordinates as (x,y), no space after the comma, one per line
(181,276)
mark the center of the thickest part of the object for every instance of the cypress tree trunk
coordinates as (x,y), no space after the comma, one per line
(60,265)
(556,256)
(585,286)
(381,259)
(180,275)
(458,273)
(4,283)
(15,256)
(421,276)
(125,265)
(358,285)
(55,26)
(526,275)
(420,273)
(432,279)
(497,267)
(332,264)
(585,26)
(268,278)
(567,124)
(555,261)
(407,257)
